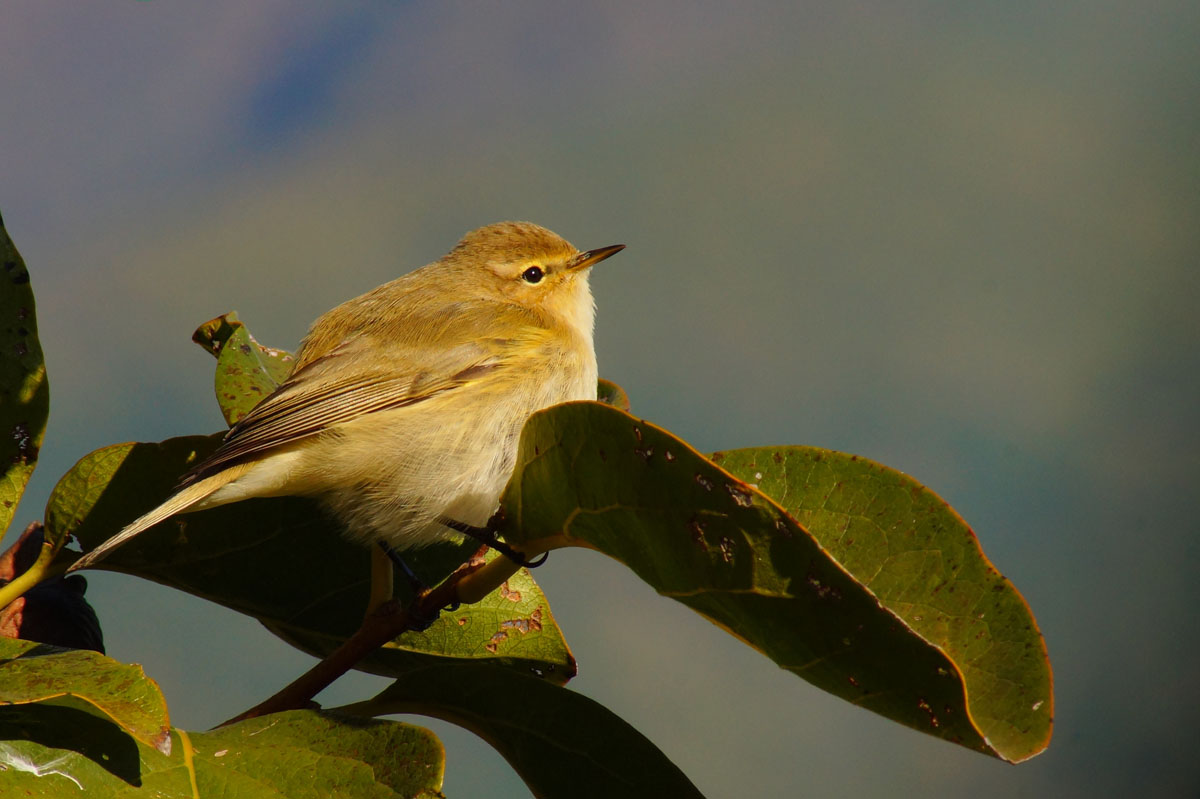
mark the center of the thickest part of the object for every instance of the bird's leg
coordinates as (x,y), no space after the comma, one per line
(389,558)
(487,535)
(381,579)
(414,582)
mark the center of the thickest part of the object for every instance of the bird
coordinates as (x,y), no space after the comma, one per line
(404,408)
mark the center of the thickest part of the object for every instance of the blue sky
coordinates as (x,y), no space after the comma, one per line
(959,240)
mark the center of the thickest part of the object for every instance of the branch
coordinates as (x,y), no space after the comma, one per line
(467,584)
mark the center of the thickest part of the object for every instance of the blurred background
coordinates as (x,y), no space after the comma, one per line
(958,239)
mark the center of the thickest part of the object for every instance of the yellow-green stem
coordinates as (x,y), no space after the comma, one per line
(29,578)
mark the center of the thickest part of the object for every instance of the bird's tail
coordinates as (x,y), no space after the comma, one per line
(185,499)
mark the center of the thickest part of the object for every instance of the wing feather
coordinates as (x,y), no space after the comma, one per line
(326,393)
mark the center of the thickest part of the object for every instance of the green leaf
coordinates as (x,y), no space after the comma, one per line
(76,683)
(589,475)
(285,563)
(78,721)
(318,754)
(921,560)
(72,720)
(247,372)
(114,485)
(293,755)
(562,744)
(24,391)
(610,393)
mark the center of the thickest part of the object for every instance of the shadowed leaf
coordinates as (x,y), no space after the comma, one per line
(561,743)
(592,476)
(24,392)
(41,740)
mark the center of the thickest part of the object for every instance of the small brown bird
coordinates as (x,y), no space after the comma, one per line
(406,404)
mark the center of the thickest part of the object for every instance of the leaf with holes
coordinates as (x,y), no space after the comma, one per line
(246,371)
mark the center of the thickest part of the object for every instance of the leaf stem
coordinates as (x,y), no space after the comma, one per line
(29,578)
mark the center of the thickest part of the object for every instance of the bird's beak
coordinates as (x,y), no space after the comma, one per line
(593,257)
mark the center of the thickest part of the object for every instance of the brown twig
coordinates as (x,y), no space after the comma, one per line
(467,584)
(385,623)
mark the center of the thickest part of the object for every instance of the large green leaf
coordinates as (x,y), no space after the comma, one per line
(113,485)
(292,755)
(24,392)
(77,682)
(921,560)
(83,722)
(561,743)
(590,475)
(285,563)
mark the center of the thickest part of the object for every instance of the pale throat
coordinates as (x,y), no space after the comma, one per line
(574,307)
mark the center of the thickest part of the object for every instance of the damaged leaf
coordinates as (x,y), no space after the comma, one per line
(247,372)
(589,475)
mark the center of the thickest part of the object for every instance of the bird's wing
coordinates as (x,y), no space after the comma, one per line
(358,377)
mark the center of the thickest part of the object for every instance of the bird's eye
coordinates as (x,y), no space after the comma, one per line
(533,274)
